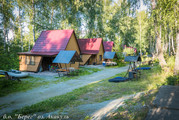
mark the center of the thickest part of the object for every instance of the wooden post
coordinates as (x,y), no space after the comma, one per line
(66,66)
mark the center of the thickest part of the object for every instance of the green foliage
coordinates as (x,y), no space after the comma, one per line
(87,118)
(113,20)
(9,61)
(119,60)
(171,62)
(83,71)
(173,80)
(128,51)
(141,41)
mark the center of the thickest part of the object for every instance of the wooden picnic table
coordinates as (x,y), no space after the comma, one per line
(65,71)
(111,63)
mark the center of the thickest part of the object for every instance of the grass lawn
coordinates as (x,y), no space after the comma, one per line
(135,108)
(74,75)
(10,86)
(120,64)
(100,91)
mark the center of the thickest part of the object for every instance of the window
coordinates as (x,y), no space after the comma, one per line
(81,56)
(100,58)
(27,60)
(72,62)
(20,60)
(30,60)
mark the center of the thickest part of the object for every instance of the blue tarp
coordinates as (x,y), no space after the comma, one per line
(143,68)
(64,56)
(118,79)
(109,55)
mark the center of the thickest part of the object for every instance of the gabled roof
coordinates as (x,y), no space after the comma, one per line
(67,56)
(132,58)
(52,41)
(90,45)
(109,55)
(108,45)
(37,53)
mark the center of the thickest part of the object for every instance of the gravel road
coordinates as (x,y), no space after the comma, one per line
(22,99)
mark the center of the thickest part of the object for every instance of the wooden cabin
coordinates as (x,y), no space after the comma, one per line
(108,54)
(92,50)
(46,48)
(108,45)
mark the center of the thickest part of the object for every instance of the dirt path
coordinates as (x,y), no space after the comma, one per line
(21,99)
(111,106)
(96,111)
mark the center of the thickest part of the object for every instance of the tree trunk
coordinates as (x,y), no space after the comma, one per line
(150,46)
(4,33)
(176,68)
(140,37)
(29,46)
(165,45)
(160,52)
(22,48)
(169,45)
(7,40)
(155,42)
(173,47)
(158,41)
(33,8)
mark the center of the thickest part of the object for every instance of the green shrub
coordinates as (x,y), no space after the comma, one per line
(7,83)
(128,51)
(84,71)
(121,64)
(120,59)
(171,62)
(9,60)
(11,86)
(173,80)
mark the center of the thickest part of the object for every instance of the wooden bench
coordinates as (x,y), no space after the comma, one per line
(62,72)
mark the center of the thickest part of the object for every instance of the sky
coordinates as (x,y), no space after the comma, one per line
(142,6)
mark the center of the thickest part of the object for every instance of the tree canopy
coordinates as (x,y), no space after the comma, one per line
(152,30)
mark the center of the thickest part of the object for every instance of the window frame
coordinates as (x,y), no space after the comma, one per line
(100,57)
(30,60)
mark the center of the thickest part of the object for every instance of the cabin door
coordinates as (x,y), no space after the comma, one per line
(46,63)
(92,60)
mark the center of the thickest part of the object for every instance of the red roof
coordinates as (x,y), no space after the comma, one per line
(52,41)
(90,45)
(108,45)
(41,53)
